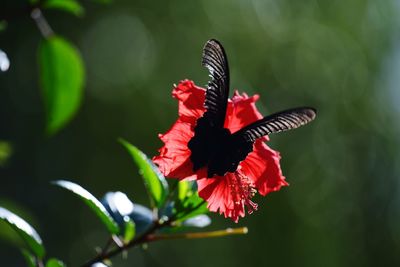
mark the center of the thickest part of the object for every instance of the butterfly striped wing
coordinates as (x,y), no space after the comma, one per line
(215,60)
(234,148)
(275,123)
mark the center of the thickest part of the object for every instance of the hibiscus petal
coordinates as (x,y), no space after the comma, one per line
(217,193)
(228,194)
(241,111)
(191,100)
(262,167)
(174,159)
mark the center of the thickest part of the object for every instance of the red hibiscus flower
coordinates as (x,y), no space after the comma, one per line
(229,194)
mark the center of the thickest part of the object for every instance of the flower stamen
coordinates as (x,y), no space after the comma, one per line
(242,190)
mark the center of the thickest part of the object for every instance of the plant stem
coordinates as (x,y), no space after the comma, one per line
(107,246)
(148,236)
(42,23)
(210,234)
(40,263)
(141,239)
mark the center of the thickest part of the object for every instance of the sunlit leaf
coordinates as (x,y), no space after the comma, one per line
(183,189)
(28,234)
(200,221)
(71,6)
(155,182)
(191,206)
(4,61)
(93,203)
(118,205)
(188,204)
(130,230)
(29,258)
(62,79)
(54,263)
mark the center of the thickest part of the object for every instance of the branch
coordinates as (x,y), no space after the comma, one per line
(148,236)
(141,239)
(42,23)
(210,234)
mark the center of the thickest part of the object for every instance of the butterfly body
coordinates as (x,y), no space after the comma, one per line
(214,146)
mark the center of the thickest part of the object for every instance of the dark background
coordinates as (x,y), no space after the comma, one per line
(342,207)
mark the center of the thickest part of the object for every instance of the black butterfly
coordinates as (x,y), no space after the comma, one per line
(215,146)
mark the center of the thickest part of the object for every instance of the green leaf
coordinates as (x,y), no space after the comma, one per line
(156,185)
(93,203)
(71,6)
(130,230)
(190,207)
(188,203)
(62,79)
(29,258)
(55,263)
(183,189)
(28,234)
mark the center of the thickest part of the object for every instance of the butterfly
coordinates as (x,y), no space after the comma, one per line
(214,146)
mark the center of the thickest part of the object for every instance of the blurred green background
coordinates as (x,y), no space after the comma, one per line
(342,207)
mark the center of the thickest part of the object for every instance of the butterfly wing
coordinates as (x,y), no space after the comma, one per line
(215,60)
(241,142)
(210,127)
(275,123)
